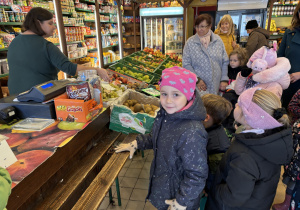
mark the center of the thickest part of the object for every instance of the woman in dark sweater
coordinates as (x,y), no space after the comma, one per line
(33,60)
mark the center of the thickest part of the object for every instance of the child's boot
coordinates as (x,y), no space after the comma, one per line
(285,205)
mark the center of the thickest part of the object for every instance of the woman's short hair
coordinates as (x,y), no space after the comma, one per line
(33,19)
(296,19)
(203,17)
(226,18)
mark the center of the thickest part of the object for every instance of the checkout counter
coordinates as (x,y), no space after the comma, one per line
(66,151)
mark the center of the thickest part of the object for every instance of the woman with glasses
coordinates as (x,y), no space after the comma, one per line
(290,48)
(205,55)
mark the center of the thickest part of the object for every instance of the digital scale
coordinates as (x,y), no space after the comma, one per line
(44,92)
(30,103)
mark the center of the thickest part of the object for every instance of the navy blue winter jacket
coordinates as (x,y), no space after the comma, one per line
(179,168)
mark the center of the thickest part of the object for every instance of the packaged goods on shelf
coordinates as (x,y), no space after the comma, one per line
(6,39)
(91,43)
(108,9)
(4,66)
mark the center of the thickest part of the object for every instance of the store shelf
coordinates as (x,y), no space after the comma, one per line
(77,57)
(3,75)
(103,13)
(284,4)
(89,36)
(75,42)
(89,21)
(127,35)
(71,25)
(111,46)
(129,48)
(87,1)
(11,23)
(94,49)
(275,16)
(3,49)
(67,13)
(5,7)
(127,8)
(107,22)
(83,10)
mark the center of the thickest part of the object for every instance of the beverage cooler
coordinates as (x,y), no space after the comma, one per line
(162,28)
(256,10)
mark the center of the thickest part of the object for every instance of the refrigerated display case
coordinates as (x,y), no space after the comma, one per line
(173,36)
(162,29)
(153,33)
(240,19)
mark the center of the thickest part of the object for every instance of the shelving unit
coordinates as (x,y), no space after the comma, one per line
(132,39)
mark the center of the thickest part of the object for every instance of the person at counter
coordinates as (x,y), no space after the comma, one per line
(290,48)
(204,54)
(5,187)
(33,60)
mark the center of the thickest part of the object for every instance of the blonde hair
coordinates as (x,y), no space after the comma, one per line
(269,102)
(226,18)
(217,107)
(241,54)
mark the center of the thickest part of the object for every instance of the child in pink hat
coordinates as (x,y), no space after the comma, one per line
(178,139)
(250,169)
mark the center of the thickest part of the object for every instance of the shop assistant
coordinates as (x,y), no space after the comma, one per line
(33,60)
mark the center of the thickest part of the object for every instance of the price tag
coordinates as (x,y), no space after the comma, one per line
(7,157)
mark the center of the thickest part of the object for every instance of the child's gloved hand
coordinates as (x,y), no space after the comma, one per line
(173,205)
(246,72)
(131,147)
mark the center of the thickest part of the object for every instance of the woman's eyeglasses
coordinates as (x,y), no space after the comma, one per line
(202,27)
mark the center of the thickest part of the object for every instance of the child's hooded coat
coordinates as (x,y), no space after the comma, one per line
(179,168)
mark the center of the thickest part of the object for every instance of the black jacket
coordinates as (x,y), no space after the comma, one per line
(217,144)
(179,167)
(249,171)
(232,72)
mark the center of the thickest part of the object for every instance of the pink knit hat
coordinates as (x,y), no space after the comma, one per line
(181,79)
(264,53)
(255,116)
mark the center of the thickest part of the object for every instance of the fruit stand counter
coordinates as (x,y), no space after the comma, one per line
(46,158)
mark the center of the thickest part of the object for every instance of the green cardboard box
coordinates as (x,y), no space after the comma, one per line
(122,119)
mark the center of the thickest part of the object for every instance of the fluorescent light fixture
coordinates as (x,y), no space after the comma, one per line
(161,11)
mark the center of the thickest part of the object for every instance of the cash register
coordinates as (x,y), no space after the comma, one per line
(36,102)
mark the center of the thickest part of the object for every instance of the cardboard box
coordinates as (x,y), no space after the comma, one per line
(75,110)
(122,119)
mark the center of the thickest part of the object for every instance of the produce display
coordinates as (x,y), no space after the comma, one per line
(137,107)
(137,75)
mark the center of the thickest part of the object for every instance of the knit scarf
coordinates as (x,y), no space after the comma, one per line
(205,39)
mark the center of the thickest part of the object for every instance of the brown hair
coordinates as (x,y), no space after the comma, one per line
(203,17)
(241,54)
(295,19)
(269,102)
(217,107)
(226,18)
(33,19)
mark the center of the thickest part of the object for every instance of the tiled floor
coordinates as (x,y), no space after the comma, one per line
(134,181)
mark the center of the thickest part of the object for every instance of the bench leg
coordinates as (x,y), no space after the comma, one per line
(110,196)
(118,191)
(142,153)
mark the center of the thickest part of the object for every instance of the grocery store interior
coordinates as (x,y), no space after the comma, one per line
(67,159)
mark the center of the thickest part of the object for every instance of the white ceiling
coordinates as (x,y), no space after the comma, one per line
(241,4)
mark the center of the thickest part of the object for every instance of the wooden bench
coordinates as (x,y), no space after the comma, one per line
(95,193)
